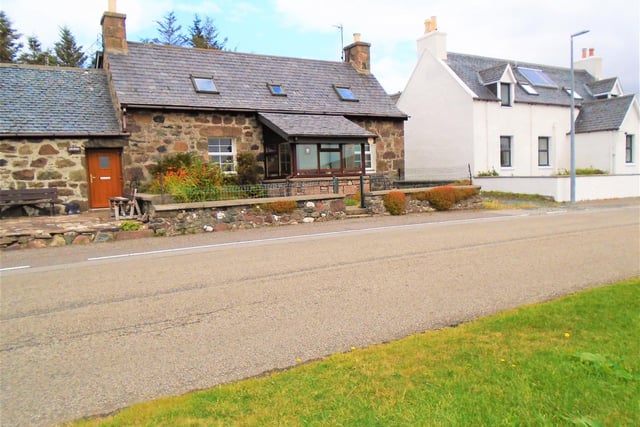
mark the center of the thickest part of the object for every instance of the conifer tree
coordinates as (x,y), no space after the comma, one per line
(9,45)
(68,54)
(205,35)
(36,55)
(169,31)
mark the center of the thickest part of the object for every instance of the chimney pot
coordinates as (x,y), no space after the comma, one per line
(356,37)
(430,25)
(584,52)
(591,51)
(112,6)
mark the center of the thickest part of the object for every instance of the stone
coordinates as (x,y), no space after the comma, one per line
(308,220)
(36,244)
(104,236)
(47,150)
(82,239)
(57,240)
(207,228)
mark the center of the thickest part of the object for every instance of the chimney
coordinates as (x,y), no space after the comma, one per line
(433,40)
(357,54)
(590,63)
(114,31)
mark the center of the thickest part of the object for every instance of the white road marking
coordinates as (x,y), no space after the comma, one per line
(14,268)
(275,239)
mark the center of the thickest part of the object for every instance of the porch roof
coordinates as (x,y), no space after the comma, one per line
(290,126)
(603,114)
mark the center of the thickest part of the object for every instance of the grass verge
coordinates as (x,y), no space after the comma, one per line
(573,361)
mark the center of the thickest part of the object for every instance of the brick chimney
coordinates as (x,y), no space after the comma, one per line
(357,54)
(433,40)
(590,63)
(114,31)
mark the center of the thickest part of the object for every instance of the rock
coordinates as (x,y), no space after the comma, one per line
(207,228)
(81,239)
(308,220)
(58,240)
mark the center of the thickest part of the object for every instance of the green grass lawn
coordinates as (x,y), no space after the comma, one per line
(573,361)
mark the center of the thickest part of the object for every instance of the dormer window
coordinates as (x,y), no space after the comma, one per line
(345,93)
(505,94)
(204,84)
(276,89)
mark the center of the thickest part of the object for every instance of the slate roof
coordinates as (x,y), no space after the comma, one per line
(600,87)
(470,67)
(603,114)
(38,100)
(312,126)
(493,74)
(157,76)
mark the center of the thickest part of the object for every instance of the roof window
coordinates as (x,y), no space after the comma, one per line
(528,88)
(345,93)
(576,95)
(276,89)
(537,77)
(204,84)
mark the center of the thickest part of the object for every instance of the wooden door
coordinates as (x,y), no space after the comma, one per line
(105,176)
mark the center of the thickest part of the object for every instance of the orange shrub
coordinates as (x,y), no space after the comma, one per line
(442,198)
(394,202)
(463,193)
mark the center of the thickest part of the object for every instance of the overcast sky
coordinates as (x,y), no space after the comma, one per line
(532,31)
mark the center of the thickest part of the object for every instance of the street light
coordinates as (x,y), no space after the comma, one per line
(573,130)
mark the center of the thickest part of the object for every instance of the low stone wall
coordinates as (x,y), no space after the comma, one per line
(206,217)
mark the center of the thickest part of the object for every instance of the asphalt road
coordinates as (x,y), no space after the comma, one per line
(88,330)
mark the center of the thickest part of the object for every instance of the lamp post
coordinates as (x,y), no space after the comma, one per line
(573,129)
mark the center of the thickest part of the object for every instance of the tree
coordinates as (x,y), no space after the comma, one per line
(205,35)
(169,31)
(9,45)
(67,52)
(36,55)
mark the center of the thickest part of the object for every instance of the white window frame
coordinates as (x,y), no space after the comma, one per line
(548,151)
(509,88)
(510,150)
(369,156)
(226,165)
(629,148)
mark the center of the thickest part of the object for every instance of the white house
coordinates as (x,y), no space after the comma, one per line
(511,118)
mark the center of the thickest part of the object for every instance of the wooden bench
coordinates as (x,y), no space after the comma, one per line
(29,196)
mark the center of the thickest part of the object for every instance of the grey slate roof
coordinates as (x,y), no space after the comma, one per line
(493,74)
(158,76)
(470,67)
(603,114)
(39,100)
(600,87)
(312,126)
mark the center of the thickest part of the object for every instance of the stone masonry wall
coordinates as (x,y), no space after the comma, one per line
(156,134)
(45,163)
(389,144)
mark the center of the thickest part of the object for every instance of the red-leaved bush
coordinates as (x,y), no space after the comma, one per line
(442,198)
(394,202)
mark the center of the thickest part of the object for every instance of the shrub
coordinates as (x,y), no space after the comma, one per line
(463,193)
(248,170)
(129,226)
(352,200)
(442,198)
(281,206)
(394,202)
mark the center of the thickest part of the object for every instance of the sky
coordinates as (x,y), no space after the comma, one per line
(523,30)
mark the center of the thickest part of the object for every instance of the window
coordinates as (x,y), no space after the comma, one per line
(576,95)
(276,89)
(505,94)
(345,93)
(505,151)
(223,152)
(628,149)
(204,84)
(331,158)
(537,77)
(543,151)
(368,157)
(528,88)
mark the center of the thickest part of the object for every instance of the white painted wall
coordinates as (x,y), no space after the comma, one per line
(524,123)
(588,187)
(439,131)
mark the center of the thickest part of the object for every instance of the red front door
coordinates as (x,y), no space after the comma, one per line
(105,176)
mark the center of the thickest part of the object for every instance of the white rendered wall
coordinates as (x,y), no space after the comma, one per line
(439,131)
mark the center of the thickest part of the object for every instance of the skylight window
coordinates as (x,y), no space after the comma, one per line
(528,88)
(276,89)
(576,95)
(345,93)
(537,77)
(204,84)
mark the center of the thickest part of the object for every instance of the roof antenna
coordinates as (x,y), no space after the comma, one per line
(339,26)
